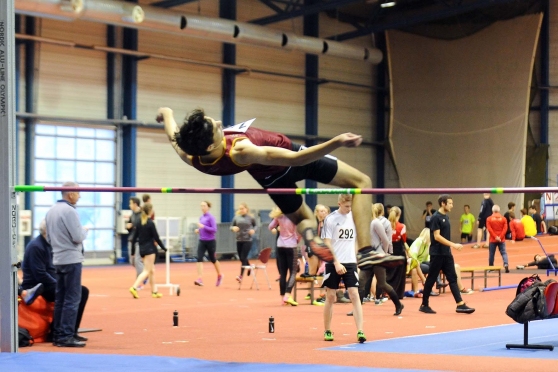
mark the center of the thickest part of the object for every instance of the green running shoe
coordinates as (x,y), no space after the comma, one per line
(328,335)
(361,337)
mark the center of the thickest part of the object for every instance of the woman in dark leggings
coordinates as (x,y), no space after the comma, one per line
(382,242)
(244,225)
(146,235)
(396,275)
(286,253)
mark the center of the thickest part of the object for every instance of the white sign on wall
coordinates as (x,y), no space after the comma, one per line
(549,205)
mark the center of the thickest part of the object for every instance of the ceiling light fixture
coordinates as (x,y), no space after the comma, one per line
(387,4)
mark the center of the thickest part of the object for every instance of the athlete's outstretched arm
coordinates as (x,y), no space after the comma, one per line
(245,152)
(165,115)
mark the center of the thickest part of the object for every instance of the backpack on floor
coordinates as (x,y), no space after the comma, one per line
(552,230)
(24,337)
(526,283)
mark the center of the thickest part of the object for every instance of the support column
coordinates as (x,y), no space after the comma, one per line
(381,107)
(30,100)
(16,80)
(311,28)
(115,111)
(8,205)
(227,10)
(129,132)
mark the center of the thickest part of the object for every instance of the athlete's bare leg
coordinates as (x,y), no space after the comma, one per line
(350,177)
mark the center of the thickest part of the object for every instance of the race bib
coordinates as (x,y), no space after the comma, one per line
(242,127)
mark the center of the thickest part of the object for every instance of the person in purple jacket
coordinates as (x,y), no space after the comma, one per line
(207,228)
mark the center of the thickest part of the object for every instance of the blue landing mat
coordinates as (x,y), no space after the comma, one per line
(57,362)
(489,341)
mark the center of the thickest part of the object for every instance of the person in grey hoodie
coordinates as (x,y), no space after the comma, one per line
(244,225)
(66,235)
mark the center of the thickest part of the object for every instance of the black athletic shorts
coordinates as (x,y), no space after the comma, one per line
(322,170)
(482,223)
(332,279)
(467,236)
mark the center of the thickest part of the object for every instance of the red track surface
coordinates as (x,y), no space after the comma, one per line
(228,324)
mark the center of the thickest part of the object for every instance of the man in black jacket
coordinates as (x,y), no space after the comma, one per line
(485,212)
(131,227)
(541,262)
(38,268)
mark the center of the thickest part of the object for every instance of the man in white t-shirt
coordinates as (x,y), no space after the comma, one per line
(339,232)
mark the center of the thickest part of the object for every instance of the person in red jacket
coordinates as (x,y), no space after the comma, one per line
(497,225)
(516,228)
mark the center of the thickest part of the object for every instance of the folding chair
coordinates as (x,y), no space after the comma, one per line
(263,257)
(550,293)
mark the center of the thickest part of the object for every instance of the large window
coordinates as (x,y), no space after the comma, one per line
(85,156)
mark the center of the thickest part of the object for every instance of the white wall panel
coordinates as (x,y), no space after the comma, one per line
(172,84)
(277,102)
(72,82)
(182,87)
(345,109)
(159,166)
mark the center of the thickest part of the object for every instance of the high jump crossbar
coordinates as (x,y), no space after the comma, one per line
(298,191)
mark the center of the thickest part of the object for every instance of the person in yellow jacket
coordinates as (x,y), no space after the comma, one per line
(528,223)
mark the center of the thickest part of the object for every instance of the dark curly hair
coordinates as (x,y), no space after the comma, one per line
(196,134)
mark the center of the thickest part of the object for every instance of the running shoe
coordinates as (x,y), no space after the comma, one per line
(328,335)
(466,291)
(520,267)
(317,303)
(198,282)
(426,309)
(134,292)
(361,337)
(291,302)
(307,297)
(156,295)
(219,280)
(239,278)
(464,309)
(32,294)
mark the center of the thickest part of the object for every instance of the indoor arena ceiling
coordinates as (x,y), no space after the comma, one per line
(447,19)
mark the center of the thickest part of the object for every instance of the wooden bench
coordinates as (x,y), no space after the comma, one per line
(474,273)
(312,282)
